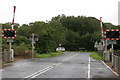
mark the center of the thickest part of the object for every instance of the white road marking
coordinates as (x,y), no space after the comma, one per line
(1,69)
(88,69)
(47,69)
(38,72)
(70,57)
(41,72)
(110,68)
(100,68)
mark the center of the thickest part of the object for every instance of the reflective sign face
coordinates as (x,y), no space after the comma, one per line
(112,34)
(9,33)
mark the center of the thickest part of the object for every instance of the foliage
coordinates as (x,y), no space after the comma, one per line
(8,25)
(24,31)
(70,31)
(72,40)
(84,31)
(20,49)
(20,40)
(46,41)
(82,51)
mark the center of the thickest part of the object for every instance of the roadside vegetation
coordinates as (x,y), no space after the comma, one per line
(82,51)
(44,55)
(70,31)
(96,56)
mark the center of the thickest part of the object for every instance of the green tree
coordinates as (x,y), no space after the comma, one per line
(24,31)
(8,26)
(47,41)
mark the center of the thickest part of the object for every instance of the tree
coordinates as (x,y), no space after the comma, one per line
(70,31)
(71,40)
(24,31)
(47,41)
(8,25)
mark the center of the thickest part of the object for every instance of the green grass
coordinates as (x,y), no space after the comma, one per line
(80,51)
(95,55)
(48,55)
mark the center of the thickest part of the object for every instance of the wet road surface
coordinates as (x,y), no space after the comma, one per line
(68,65)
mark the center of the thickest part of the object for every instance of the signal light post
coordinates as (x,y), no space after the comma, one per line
(112,35)
(33,38)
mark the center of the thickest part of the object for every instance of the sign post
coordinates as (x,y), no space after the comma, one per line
(96,45)
(33,42)
(11,53)
(33,39)
(10,34)
(112,35)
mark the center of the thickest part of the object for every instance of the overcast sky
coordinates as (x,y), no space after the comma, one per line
(41,10)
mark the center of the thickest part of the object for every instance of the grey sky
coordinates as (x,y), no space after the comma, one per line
(41,10)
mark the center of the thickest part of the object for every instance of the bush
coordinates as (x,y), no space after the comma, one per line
(49,55)
(19,50)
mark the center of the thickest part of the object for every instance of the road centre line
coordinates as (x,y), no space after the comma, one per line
(46,69)
(70,57)
(38,72)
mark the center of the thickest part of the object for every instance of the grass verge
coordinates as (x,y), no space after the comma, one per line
(49,55)
(81,51)
(96,56)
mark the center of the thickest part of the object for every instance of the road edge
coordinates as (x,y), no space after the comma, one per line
(109,68)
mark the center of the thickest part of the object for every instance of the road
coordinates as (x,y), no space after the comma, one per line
(68,65)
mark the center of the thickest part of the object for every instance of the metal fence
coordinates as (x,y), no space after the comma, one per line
(116,63)
(26,54)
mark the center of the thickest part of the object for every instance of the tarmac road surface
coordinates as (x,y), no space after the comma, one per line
(69,65)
